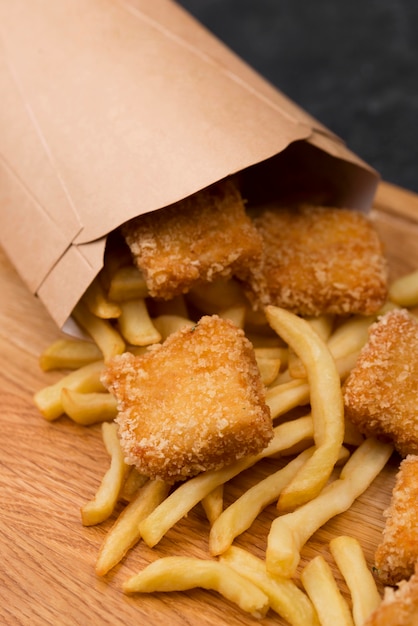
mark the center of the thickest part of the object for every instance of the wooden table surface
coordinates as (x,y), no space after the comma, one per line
(49,470)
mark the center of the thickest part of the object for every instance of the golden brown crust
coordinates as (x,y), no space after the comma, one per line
(194,403)
(381,392)
(399,606)
(319,260)
(397,554)
(203,236)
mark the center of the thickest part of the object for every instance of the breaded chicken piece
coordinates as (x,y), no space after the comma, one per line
(381,392)
(191,404)
(399,606)
(397,554)
(319,260)
(203,236)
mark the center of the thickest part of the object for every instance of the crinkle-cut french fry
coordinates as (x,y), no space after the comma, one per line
(289,532)
(239,516)
(234,313)
(168,324)
(124,534)
(286,396)
(326,401)
(320,584)
(285,598)
(351,562)
(269,369)
(101,331)
(85,380)
(132,484)
(135,324)
(127,283)
(404,290)
(101,507)
(322,325)
(88,408)
(69,354)
(178,573)
(213,503)
(190,493)
(98,303)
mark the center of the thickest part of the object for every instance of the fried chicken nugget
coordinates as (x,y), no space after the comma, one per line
(399,606)
(318,260)
(203,236)
(397,555)
(381,392)
(191,404)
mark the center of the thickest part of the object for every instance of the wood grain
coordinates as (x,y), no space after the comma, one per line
(48,470)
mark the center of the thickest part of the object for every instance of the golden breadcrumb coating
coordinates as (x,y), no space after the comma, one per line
(399,606)
(381,392)
(397,554)
(203,236)
(319,260)
(195,402)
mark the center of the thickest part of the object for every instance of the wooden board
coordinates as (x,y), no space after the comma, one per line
(48,470)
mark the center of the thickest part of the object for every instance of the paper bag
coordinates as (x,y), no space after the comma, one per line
(113,108)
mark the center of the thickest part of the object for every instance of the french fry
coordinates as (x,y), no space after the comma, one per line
(173,573)
(217,295)
(320,584)
(285,598)
(286,396)
(239,516)
(124,534)
(190,493)
(269,369)
(168,324)
(213,503)
(135,324)
(275,353)
(132,484)
(322,325)
(101,331)
(97,302)
(127,283)
(350,336)
(351,562)
(326,405)
(404,290)
(234,313)
(289,532)
(101,507)
(85,380)
(88,408)
(69,354)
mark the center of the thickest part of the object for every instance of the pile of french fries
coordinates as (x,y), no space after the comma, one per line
(303,363)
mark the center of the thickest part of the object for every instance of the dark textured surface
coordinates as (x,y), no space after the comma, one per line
(353,65)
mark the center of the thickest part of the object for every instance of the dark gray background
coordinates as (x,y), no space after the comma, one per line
(352,64)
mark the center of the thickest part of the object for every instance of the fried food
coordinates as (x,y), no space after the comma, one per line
(195,402)
(204,236)
(399,606)
(381,392)
(318,260)
(397,555)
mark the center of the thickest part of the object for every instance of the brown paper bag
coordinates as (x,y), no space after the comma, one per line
(113,108)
